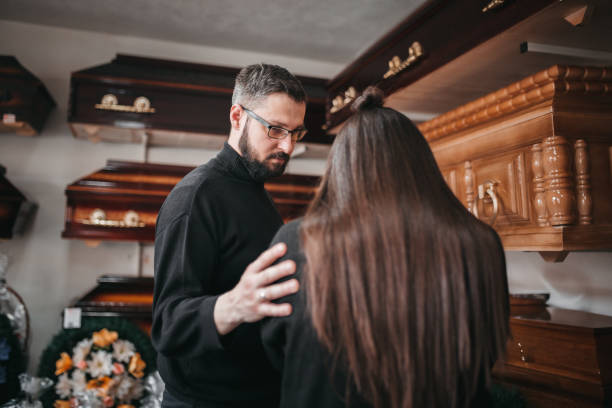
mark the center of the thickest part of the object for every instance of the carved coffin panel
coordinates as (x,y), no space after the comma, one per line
(25,103)
(166,102)
(121,200)
(500,184)
(533,159)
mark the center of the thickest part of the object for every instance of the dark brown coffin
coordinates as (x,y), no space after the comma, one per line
(185,104)
(25,103)
(444,30)
(559,357)
(15,208)
(120,296)
(121,201)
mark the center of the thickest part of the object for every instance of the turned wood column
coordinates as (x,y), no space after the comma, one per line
(560,199)
(584,203)
(468,179)
(539,192)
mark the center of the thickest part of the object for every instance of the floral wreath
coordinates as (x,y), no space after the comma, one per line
(106,357)
(12,360)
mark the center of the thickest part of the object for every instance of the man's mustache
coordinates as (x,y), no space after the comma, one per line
(280,155)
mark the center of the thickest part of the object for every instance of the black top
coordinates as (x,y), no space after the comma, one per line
(214,222)
(293,348)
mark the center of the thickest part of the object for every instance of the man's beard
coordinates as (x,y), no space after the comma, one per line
(259,170)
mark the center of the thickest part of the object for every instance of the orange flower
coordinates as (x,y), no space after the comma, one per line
(136,366)
(102,384)
(61,404)
(104,337)
(63,364)
(125,406)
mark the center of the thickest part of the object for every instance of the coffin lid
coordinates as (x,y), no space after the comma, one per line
(121,200)
(24,101)
(189,103)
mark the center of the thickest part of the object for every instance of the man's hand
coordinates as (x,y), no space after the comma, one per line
(249,300)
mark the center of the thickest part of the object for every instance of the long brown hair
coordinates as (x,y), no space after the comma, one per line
(404,285)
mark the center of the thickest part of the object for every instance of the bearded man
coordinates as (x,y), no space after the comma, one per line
(212,286)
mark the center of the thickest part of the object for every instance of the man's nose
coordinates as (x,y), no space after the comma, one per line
(286,144)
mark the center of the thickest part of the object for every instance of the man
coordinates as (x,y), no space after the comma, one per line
(211,288)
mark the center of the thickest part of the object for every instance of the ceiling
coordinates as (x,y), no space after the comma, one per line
(333,31)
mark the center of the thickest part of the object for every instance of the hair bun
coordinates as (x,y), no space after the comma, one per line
(372,97)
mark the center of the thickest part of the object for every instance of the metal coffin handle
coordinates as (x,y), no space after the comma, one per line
(488,188)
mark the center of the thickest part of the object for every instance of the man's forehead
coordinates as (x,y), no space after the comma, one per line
(281,110)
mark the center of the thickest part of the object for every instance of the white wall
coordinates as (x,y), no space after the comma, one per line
(50,272)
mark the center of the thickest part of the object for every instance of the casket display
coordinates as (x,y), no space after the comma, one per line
(25,103)
(558,357)
(170,103)
(121,200)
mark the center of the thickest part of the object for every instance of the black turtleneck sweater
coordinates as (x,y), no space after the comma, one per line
(214,222)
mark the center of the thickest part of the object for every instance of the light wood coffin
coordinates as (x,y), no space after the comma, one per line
(25,103)
(533,160)
(559,357)
(121,200)
(170,103)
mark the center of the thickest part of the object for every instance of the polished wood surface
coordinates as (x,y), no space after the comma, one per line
(25,103)
(189,103)
(125,198)
(120,296)
(535,160)
(558,357)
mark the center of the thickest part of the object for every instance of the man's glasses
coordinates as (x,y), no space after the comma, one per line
(277,132)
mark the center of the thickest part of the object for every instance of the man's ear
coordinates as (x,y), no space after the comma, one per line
(235,116)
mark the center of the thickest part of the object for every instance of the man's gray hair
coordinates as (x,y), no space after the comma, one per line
(255,82)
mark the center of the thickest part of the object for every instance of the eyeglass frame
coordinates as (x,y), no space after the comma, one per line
(268,126)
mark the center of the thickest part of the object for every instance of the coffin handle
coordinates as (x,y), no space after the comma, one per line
(488,188)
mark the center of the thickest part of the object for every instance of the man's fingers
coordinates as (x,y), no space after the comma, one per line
(281,289)
(274,273)
(274,310)
(267,258)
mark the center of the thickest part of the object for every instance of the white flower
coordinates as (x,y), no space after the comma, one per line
(81,350)
(79,382)
(129,388)
(63,386)
(123,350)
(101,364)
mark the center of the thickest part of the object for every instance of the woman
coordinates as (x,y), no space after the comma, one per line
(403,299)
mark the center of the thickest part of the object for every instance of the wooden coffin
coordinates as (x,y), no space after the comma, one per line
(429,38)
(25,103)
(15,208)
(533,160)
(169,103)
(559,357)
(120,296)
(121,200)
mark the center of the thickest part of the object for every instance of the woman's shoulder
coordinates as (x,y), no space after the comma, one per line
(289,234)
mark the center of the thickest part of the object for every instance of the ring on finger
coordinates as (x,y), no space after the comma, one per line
(262,295)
